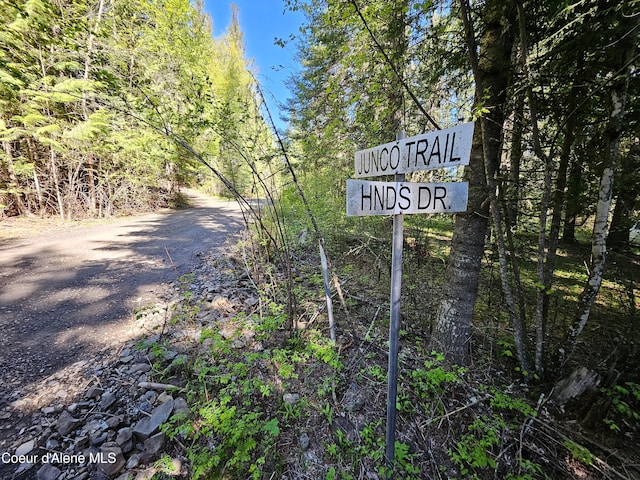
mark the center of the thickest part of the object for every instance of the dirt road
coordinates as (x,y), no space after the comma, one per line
(71,292)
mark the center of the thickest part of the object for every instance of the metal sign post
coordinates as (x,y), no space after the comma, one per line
(394,329)
(428,151)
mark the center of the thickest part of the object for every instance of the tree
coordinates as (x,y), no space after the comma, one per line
(618,98)
(452,332)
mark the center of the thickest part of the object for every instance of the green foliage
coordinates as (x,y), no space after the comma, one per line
(579,452)
(95,95)
(477,449)
(625,402)
(239,414)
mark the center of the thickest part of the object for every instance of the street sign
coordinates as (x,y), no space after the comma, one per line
(392,198)
(427,151)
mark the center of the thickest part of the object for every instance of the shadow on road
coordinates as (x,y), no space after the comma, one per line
(63,299)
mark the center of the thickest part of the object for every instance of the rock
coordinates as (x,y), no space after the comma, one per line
(221,304)
(25,448)
(48,472)
(354,398)
(106,401)
(150,425)
(94,425)
(126,359)
(304,441)
(342,426)
(149,396)
(67,423)
(94,393)
(180,407)
(169,355)
(134,461)
(98,438)
(22,468)
(81,442)
(164,397)
(140,368)
(153,445)
(111,460)
(113,422)
(52,444)
(48,410)
(146,407)
(290,398)
(125,439)
(251,301)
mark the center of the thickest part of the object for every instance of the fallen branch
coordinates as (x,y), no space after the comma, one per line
(159,386)
(457,410)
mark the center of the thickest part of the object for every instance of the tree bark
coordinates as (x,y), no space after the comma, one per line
(626,189)
(618,100)
(572,207)
(452,331)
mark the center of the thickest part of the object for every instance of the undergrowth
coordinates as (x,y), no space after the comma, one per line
(255,394)
(273,401)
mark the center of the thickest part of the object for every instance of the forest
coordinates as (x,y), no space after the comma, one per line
(108,107)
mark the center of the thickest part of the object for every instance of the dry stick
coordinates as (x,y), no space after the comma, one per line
(336,284)
(302,196)
(441,418)
(289,164)
(159,386)
(170,259)
(327,292)
(555,430)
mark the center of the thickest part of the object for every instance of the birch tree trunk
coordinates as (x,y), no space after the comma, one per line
(617,101)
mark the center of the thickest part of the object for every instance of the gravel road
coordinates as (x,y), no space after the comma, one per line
(69,293)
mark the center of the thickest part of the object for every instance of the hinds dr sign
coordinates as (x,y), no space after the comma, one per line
(392,198)
(428,151)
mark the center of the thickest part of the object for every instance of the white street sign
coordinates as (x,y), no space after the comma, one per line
(392,198)
(427,151)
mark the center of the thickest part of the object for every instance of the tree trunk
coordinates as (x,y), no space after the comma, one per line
(618,99)
(452,331)
(572,204)
(85,111)
(56,181)
(13,180)
(626,190)
(510,194)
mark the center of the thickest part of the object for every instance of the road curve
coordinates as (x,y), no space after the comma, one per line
(71,292)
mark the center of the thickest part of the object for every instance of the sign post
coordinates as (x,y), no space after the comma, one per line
(428,151)
(394,327)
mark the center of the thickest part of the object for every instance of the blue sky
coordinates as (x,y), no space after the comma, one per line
(262,21)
